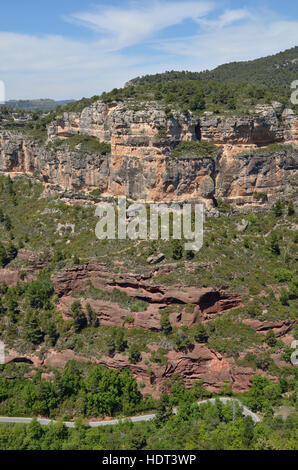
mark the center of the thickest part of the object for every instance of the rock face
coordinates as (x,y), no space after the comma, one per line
(212,367)
(206,302)
(142,137)
(271,174)
(280,327)
(12,276)
(199,364)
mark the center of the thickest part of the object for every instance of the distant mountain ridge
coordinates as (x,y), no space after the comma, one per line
(36,105)
(276,70)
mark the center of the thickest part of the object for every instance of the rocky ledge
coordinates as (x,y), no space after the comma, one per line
(205,302)
(199,364)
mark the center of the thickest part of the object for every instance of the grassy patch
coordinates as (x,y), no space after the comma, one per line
(231,337)
(192,148)
(270,149)
(116,295)
(86,143)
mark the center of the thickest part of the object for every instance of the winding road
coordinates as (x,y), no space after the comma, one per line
(135,419)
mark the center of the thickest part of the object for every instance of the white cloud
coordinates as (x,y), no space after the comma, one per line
(226,18)
(231,16)
(53,66)
(128,26)
(233,43)
(60,67)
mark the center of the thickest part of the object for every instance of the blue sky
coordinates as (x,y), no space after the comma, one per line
(73,48)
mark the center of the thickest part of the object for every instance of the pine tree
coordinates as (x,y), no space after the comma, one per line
(274,245)
(164,410)
(291,210)
(284,296)
(12,309)
(32,329)
(91,316)
(165,324)
(7,223)
(134,354)
(51,332)
(11,251)
(277,209)
(78,316)
(3,256)
(119,341)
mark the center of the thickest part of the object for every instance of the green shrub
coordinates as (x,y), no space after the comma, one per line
(190,148)
(134,353)
(161,134)
(269,149)
(88,143)
(176,248)
(259,196)
(200,333)
(165,324)
(159,356)
(270,338)
(283,275)
(95,193)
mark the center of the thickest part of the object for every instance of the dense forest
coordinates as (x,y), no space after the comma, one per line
(92,390)
(234,88)
(208,427)
(276,70)
(192,95)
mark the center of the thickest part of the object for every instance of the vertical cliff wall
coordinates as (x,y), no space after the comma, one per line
(141,165)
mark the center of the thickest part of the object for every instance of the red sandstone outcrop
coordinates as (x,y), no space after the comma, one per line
(199,364)
(206,301)
(280,327)
(14,356)
(11,276)
(212,367)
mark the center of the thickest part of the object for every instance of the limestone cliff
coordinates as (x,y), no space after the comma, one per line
(142,138)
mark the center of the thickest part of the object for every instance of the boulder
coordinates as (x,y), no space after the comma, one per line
(155,259)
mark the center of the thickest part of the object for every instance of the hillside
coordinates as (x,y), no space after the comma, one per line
(196,96)
(67,295)
(277,70)
(233,87)
(245,84)
(100,328)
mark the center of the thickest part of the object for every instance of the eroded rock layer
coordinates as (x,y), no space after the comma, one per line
(189,305)
(141,165)
(206,302)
